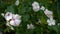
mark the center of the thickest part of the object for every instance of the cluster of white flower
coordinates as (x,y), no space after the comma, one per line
(36,6)
(15,19)
(48,13)
(12,19)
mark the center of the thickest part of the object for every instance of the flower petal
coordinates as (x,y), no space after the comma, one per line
(48,13)
(42,8)
(16,16)
(8,16)
(35,6)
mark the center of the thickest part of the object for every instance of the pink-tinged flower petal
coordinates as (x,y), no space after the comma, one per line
(12,22)
(48,13)
(16,16)
(35,6)
(8,16)
(15,22)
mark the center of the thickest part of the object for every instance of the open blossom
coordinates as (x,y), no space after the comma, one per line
(42,8)
(51,21)
(12,19)
(17,2)
(8,16)
(15,21)
(30,26)
(48,13)
(35,6)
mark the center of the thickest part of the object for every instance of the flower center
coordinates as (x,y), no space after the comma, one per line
(13,19)
(8,14)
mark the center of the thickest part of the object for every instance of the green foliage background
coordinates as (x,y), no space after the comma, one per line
(29,16)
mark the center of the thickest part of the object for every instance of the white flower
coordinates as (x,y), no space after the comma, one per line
(16,16)
(51,22)
(8,16)
(48,13)
(42,8)
(15,21)
(12,19)
(35,6)
(30,26)
(17,2)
